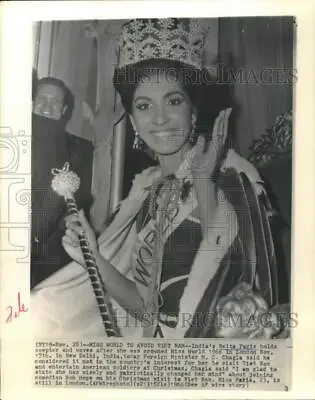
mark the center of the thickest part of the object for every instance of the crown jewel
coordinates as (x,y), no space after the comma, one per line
(169,38)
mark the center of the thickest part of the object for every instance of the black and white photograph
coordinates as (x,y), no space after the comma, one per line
(162,177)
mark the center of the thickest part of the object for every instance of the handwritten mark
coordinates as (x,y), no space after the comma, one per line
(20,309)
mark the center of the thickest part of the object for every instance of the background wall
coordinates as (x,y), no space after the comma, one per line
(254,45)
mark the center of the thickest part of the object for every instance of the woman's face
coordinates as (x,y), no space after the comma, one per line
(162,113)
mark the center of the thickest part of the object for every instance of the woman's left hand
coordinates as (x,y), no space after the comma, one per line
(203,159)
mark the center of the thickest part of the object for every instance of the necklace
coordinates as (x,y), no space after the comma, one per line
(156,200)
(180,187)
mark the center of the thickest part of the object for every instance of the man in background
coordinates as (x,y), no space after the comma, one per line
(52,147)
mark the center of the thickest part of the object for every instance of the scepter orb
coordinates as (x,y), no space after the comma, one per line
(65,182)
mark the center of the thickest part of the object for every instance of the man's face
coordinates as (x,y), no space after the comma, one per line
(49,101)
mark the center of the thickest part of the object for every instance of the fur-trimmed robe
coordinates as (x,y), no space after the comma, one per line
(64,306)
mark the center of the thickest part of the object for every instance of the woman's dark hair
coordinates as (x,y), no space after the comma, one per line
(68,96)
(201,86)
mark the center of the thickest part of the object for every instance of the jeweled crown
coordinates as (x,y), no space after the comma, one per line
(170,38)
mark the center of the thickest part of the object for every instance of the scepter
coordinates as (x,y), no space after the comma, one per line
(66,183)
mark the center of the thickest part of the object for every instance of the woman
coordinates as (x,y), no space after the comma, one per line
(181,242)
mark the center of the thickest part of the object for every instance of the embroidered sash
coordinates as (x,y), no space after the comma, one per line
(148,251)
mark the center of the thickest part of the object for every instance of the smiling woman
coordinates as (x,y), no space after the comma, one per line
(165,102)
(193,229)
(163,115)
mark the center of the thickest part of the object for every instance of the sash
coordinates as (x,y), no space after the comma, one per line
(147,260)
(147,253)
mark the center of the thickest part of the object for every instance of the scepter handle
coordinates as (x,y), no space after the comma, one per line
(99,290)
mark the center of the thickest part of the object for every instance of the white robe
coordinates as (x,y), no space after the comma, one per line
(63,305)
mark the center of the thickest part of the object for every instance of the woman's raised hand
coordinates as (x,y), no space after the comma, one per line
(77,225)
(203,159)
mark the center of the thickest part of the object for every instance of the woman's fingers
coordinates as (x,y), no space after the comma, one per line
(85,225)
(74,229)
(72,218)
(75,226)
(200,145)
(73,250)
(83,220)
(215,140)
(78,223)
(72,234)
(66,240)
(192,155)
(72,237)
(216,125)
(220,128)
(225,125)
(220,131)
(204,156)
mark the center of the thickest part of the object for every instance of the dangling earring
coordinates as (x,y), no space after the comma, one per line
(193,136)
(138,143)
